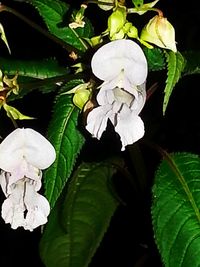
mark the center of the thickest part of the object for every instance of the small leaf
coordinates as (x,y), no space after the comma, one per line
(175,210)
(176,64)
(77,226)
(155,59)
(53,13)
(67,140)
(3,37)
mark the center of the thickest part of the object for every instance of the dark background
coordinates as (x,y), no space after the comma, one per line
(129,240)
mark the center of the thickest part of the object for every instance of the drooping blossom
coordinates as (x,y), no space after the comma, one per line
(122,66)
(23,154)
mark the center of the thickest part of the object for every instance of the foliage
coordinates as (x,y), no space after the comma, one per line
(80,185)
(175,209)
(79,222)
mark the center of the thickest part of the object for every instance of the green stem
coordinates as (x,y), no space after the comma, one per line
(44,32)
(83,43)
(138,10)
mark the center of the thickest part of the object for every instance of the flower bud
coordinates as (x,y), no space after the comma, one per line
(82,93)
(116,21)
(81,97)
(133,32)
(159,31)
(96,40)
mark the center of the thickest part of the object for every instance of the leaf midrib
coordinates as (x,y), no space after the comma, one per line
(181,179)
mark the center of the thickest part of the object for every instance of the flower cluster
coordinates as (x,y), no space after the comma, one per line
(23,154)
(122,65)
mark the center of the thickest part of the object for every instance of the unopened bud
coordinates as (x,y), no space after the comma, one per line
(116,21)
(81,97)
(96,40)
(82,93)
(133,32)
(159,31)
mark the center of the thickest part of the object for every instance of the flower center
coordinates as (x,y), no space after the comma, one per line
(122,96)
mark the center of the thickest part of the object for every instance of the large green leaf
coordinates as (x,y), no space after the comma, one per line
(78,224)
(175,210)
(53,13)
(176,64)
(155,59)
(40,69)
(43,75)
(67,140)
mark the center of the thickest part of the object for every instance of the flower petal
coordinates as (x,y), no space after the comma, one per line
(24,198)
(13,207)
(26,144)
(130,127)
(118,55)
(97,120)
(37,206)
(139,102)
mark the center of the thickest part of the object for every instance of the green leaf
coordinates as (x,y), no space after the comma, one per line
(176,64)
(40,69)
(67,140)
(34,75)
(53,13)
(192,65)
(3,37)
(175,210)
(155,59)
(76,227)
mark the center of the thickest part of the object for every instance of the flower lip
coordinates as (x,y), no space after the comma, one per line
(26,144)
(120,55)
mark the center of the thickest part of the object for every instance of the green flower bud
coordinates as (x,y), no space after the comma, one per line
(81,97)
(133,32)
(160,32)
(116,21)
(127,27)
(82,93)
(118,35)
(96,40)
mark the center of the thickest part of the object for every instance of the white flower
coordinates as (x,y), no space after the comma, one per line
(23,154)
(122,66)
